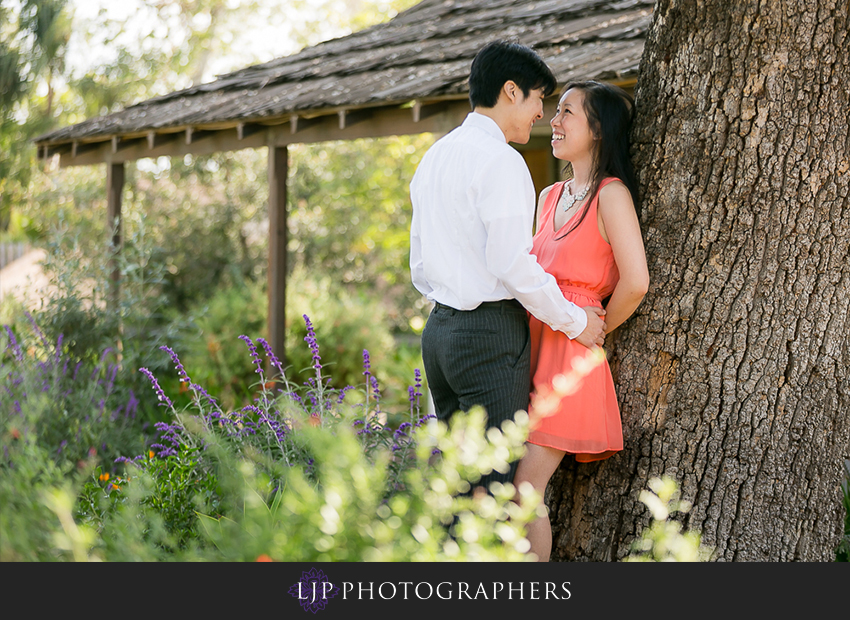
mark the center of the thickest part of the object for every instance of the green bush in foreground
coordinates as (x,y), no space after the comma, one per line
(307,472)
(663,540)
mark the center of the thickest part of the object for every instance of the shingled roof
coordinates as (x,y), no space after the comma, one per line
(422,56)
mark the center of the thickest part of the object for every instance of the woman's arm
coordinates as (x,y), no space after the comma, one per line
(619,226)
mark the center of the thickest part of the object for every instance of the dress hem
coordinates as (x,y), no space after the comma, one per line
(581,456)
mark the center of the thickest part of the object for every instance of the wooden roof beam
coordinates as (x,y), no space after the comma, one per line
(78,148)
(49,150)
(119,144)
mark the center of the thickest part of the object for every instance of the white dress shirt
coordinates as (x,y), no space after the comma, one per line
(470,236)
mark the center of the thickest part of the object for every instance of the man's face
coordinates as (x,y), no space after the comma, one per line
(525,112)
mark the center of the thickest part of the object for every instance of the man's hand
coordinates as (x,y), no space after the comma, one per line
(594,334)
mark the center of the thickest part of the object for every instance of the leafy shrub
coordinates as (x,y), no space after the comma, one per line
(347,325)
(71,409)
(59,421)
(301,473)
(77,309)
(842,553)
(663,540)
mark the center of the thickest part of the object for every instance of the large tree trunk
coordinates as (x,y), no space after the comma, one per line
(733,377)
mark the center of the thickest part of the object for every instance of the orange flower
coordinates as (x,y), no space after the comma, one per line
(263,558)
(315,420)
(116,487)
(103,477)
(150,454)
(16,434)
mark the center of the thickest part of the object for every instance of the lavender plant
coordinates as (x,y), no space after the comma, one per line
(71,408)
(296,455)
(60,419)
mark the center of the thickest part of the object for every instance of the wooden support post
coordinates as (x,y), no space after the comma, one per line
(243,130)
(193,134)
(156,140)
(114,189)
(299,123)
(422,111)
(347,118)
(278,170)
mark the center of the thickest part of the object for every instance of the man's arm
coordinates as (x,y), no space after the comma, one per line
(505,203)
(417,266)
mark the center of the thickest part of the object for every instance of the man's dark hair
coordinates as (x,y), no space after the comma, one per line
(500,61)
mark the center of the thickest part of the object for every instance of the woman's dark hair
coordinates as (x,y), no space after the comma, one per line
(609,110)
(500,61)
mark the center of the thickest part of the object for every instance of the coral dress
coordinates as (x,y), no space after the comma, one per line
(587,422)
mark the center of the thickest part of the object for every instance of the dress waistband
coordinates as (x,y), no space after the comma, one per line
(579,290)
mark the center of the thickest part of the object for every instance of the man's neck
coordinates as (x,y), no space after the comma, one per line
(494,115)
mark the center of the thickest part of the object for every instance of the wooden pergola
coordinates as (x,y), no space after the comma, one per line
(406,76)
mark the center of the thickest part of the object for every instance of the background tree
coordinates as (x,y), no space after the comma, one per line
(733,376)
(204,254)
(33,42)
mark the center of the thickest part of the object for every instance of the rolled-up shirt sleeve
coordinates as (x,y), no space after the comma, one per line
(504,199)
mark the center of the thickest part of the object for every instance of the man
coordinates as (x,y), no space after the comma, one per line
(470,237)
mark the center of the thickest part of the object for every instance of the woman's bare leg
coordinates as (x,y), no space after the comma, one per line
(536,467)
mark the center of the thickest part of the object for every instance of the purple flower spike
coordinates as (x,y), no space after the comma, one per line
(13,344)
(37,330)
(255,356)
(367,364)
(375,390)
(58,353)
(181,372)
(342,393)
(310,339)
(270,354)
(160,394)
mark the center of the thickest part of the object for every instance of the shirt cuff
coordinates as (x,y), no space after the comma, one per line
(578,325)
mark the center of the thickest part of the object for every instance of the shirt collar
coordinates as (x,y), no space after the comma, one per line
(485,123)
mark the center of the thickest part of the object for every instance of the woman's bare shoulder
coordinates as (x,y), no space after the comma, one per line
(545,192)
(615,193)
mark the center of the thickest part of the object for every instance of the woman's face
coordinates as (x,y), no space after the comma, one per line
(572,138)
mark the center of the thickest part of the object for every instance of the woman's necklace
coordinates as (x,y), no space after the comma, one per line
(568,200)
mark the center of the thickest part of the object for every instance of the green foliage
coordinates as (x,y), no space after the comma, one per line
(71,409)
(346,325)
(663,540)
(80,308)
(33,42)
(27,471)
(842,553)
(175,487)
(290,476)
(338,513)
(200,212)
(350,217)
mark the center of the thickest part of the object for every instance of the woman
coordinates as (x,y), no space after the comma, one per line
(589,238)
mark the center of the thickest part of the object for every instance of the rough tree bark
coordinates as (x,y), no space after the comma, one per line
(734,374)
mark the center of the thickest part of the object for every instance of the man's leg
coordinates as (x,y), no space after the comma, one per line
(436,339)
(485,360)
